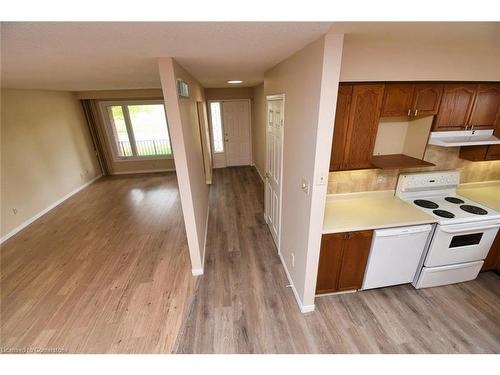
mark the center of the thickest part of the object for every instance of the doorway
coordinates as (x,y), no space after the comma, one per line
(274,165)
(230,132)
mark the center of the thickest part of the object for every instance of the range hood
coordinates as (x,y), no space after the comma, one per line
(463,138)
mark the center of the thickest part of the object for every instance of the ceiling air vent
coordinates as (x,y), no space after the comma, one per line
(182,88)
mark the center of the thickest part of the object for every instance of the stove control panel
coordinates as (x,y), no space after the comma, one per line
(409,182)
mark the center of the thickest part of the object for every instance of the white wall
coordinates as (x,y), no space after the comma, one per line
(182,118)
(46,153)
(421,51)
(309,79)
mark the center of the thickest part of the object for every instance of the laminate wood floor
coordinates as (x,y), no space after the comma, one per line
(242,305)
(107,271)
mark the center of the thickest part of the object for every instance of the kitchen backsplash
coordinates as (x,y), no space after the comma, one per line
(444,158)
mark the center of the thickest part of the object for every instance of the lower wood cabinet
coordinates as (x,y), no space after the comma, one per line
(342,261)
(492,261)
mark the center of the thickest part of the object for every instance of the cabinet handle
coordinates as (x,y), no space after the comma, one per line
(409,112)
(416,111)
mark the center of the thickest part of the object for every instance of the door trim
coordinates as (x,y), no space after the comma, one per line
(271,98)
(222,101)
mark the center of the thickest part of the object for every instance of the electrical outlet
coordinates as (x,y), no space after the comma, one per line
(293,260)
(381,179)
(15,211)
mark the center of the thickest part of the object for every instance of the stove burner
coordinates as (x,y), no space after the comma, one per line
(443,213)
(454,200)
(473,209)
(425,203)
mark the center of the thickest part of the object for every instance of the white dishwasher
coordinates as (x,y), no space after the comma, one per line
(395,255)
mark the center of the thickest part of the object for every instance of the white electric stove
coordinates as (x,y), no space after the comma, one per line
(464,232)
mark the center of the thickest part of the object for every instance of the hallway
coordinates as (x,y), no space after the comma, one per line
(107,271)
(242,304)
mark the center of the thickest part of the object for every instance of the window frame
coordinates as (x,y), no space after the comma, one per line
(109,130)
(209,109)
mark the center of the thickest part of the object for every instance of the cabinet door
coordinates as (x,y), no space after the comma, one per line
(340,128)
(354,259)
(397,100)
(485,113)
(473,153)
(455,108)
(492,261)
(330,259)
(426,99)
(362,126)
(493,152)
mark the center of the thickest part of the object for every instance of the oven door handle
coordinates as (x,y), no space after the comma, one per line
(469,229)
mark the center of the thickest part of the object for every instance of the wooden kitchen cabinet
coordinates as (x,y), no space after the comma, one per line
(492,261)
(455,108)
(397,100)
(356,126)
(426,99)
(411,99)
(340,128)
(485,115)
(473,153)
(493,152)
(342,261)
(485,112)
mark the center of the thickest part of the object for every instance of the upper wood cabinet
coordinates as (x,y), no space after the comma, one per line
(397,100)
(340,128)
(426,99)
(485,112)
(455,108)
(356,123)
(342,261)
(411,99)
(493,152)
(485,115)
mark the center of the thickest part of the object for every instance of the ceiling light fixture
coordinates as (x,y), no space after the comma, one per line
(234,81)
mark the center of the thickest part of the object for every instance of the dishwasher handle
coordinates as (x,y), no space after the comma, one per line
(401,231)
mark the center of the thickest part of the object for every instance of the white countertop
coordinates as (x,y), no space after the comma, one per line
(485,193)
(370,210)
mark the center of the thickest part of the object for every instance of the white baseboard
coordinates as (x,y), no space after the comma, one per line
(43,212)
(144,171)
(197,271)
(303,308)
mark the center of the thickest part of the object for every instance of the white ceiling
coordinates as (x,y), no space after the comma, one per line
(122,55)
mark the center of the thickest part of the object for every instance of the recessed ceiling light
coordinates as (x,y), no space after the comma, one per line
(234,81)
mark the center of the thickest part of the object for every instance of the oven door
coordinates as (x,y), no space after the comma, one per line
(459,243)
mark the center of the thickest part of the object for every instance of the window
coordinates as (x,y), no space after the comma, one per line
(216,121)
(137,129)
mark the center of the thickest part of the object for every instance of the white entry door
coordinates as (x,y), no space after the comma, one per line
(274,149)
(236,120)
